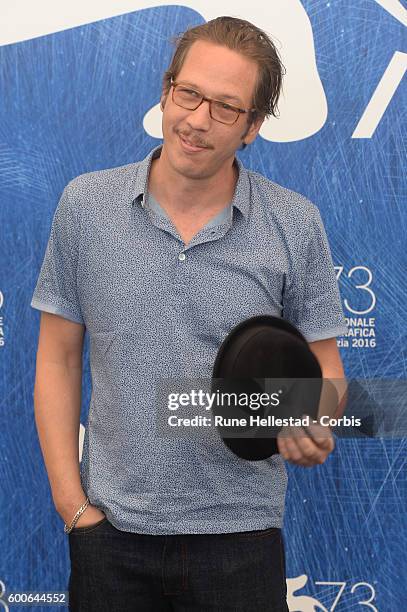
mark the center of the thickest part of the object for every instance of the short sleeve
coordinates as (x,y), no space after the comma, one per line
(56,290)
(311,300)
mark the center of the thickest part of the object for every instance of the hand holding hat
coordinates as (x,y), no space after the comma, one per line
(306,450)
(258,349)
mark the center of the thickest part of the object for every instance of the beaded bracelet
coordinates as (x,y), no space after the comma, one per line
(76,517)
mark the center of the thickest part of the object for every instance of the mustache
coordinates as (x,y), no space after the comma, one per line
(195,142)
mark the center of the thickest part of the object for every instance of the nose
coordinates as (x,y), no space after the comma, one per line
(200,118)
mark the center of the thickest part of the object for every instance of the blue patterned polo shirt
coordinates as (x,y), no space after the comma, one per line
(155,308)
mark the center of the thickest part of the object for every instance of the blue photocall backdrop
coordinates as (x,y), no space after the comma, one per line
(75,101)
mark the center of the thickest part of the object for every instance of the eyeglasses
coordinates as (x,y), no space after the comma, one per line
(189,98)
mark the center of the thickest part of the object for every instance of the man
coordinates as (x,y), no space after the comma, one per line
(158,260)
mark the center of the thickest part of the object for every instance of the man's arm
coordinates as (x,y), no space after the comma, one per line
(57,404)
(327,353)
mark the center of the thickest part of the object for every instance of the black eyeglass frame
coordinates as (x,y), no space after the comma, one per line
(239,111)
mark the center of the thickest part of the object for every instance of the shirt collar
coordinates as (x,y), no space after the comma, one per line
(241,197)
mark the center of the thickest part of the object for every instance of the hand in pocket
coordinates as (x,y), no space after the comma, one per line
(91,516)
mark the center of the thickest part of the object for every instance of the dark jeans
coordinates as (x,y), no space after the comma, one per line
(118,571)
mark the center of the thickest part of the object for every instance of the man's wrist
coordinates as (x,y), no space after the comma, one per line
(69,525)
(68,506)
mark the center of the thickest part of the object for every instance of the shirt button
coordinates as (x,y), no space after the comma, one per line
(181,256)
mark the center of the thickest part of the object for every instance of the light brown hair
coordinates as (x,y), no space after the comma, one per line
(245,38)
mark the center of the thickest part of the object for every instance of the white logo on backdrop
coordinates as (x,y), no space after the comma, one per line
(301,603)
(338,591)
(303,105)
(389,82)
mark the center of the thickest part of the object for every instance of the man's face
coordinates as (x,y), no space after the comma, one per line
(216,72)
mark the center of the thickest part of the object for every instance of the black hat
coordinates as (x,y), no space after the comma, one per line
(259,348)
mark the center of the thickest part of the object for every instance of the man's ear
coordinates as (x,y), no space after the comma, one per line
(163,101)
(253,130)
